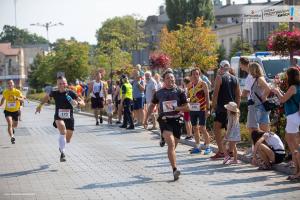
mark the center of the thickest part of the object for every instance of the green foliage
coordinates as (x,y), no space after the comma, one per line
(221,51)
(125,30)
(182,11)
(68,56)
(18,36)
(238,46)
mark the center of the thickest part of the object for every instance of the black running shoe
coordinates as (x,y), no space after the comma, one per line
(176,175)
(13,140)
(118,122)
(162,143)
(101,120)
(62,157)
(123,126)
(97,123)
(130,127)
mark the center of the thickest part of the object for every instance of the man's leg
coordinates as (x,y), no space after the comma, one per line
(96,115)
(218,135)
(204,132)
(69,136)
(197,139)
(10,129)
(62,138)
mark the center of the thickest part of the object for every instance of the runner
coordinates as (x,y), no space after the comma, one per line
(13,98)
(98,93)
(65,100)
(199,110)
(171,101)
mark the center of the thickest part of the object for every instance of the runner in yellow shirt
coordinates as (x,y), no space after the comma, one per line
(12,98)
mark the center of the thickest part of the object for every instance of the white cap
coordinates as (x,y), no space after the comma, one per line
(223,63)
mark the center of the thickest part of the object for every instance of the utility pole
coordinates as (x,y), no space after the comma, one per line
(47,26)
(15,3)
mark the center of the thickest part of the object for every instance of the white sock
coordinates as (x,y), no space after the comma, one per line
(62,142)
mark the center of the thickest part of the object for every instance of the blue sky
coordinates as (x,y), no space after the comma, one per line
(81,18)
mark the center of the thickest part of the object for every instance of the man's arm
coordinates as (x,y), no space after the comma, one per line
(218,83)
(44,100)
(2,101)
(238,94)
(141,86)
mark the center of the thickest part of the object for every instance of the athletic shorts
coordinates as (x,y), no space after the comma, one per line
(198,118)
(97,102)
(69,123)
(172,124)
(186,116)
(13,115)
(138,103)
(221,117)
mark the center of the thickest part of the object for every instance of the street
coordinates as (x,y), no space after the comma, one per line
(106,162)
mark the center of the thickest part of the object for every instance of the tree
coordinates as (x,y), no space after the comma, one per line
(191,44)
(182,11)
(20,36)
(125,30)
(221,51)
(245,48)
(68,56)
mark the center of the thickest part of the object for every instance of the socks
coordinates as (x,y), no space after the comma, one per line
(62,143)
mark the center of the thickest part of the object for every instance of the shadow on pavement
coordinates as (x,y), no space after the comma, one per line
(263,193)
(139,180)
(27,172)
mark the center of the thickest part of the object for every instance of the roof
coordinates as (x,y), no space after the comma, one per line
(237,9)
(6,49)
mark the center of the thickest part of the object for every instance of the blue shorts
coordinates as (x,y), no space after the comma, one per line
(138,103)
(198,118)
(262,116)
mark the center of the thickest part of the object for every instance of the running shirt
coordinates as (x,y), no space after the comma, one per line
(197,96)
(168,100)
(63,108)
(12,105)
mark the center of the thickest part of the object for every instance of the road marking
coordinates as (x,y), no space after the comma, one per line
(19,194)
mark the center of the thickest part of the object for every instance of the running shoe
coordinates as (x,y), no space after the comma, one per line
(97,123)
(162,143)
(176,174)
(217,156)
(101,120)
(195,151)
(207,151)
(13,140)
(188,138)
(123,126)
(118,122)
(130,128)
(62,157)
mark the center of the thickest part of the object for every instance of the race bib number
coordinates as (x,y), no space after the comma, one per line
(64,113)
(195,106)
(169,106)
(11,104)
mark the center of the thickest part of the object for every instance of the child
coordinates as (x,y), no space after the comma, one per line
(233,132)
(109,110)
(270,149)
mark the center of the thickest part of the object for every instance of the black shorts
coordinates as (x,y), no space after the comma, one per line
(69,123)
(198,118)
(13,115)
(97,102)
(221,117)
(172,124)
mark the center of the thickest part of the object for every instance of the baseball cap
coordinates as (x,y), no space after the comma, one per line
(223,63)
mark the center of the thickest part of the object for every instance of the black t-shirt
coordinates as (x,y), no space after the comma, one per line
(227,91)
(62,106)
(168,100)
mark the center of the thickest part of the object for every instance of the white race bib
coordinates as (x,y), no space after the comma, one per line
(169,106)
(194,106)
(11,104)
(64,113)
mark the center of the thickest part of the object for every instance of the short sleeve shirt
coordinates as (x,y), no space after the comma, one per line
(62,103)
(12,105)
(150,86)
(168,100)
(137,93)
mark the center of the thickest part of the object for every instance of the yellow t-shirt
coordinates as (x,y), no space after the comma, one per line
(12,105)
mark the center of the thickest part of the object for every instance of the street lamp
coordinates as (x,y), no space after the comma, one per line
(47,26)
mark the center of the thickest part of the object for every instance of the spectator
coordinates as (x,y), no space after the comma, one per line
(158,81)
(138,87)
(186,115)
(151,88)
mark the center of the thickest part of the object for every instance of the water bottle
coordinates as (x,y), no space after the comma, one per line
(69,98)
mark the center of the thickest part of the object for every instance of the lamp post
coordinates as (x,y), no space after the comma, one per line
(47,26)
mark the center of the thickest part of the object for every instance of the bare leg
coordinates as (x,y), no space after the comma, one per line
(9,126)
(170,140)
(218,135)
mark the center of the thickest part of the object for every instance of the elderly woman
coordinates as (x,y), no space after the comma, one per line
(260,90)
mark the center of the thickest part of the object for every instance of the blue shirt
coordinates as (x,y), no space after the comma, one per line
(291,106)
(136,92)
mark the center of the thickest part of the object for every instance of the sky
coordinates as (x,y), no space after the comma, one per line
(81,18)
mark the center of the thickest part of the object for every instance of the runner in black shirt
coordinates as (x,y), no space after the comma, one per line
(171,101)
(65,100)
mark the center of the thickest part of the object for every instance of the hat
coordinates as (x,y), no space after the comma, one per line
(123,76)
(223,63)
(232,106)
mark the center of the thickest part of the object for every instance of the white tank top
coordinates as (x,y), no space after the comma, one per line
(97,88)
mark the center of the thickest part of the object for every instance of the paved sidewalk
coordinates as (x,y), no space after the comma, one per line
(105,162)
